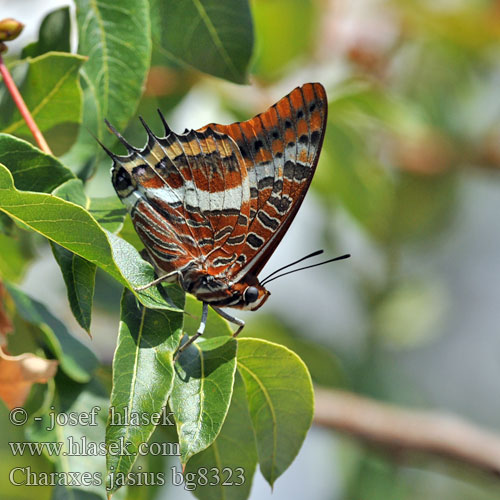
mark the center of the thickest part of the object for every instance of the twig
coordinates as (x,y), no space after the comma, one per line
(424,431)
(21,105)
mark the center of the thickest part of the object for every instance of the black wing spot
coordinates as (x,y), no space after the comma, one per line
(312,107)
(278,186)
(236,240)
(267,221)
(257,145)
(304,139)
(232,164)
(288,124)
(265,182)
(254,241)
(315,136)
(300,114)
(289,169)
(281,204)
(301,172)
(291,144)
(275,135)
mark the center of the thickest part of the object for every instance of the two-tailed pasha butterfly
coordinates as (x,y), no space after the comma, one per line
(211,205)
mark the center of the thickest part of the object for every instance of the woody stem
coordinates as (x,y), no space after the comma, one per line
(21,105)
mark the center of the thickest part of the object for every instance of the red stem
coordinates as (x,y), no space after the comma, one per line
(21,105)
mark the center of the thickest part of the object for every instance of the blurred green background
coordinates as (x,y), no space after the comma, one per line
(408,183)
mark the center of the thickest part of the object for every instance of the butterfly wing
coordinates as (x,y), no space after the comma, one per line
(188,195)
(224,195)
(280,148)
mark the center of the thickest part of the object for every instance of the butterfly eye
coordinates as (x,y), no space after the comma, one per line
(122,180)
(250,295)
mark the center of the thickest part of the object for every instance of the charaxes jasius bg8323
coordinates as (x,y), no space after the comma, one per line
(211,205)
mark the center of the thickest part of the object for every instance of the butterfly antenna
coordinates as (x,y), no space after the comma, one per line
(317,252)
(168,130)
(120,137)
(346,256)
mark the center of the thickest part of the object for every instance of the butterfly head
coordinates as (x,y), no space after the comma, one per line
(246,294)
(249,296)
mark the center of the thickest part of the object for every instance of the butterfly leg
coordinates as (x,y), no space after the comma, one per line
(157,281)
(199,332)
(231,319)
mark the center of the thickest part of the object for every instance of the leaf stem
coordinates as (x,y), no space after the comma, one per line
(23,109)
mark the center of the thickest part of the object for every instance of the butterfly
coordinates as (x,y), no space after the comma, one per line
(211,205)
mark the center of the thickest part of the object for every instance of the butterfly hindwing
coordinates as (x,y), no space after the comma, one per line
(190,198)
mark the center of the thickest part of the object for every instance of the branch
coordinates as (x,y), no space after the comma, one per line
(424,431)
(23,109)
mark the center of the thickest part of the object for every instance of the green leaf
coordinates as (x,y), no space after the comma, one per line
(143,375)
(216,36)
(49,85)
(202,392)
(137,272)
(76,360)
(233,454)
(109,212)
(73,191)
(280,398)
(53,35)
(117,40)
(75,229)
(79,276)
(216,326)
(78,273)
(31,169)
(36,171)
(325,368)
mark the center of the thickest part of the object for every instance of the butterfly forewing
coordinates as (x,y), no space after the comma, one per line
(280,148)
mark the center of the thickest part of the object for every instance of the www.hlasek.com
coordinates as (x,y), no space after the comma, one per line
(74,447)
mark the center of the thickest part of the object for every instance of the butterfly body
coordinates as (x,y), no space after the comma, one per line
(211,205)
